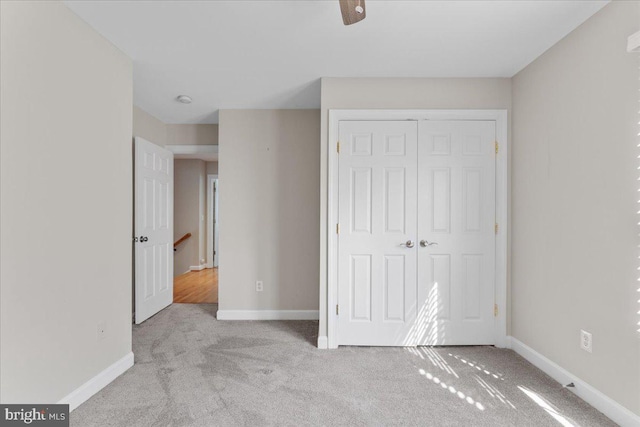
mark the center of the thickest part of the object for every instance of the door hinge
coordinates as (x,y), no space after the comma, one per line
(497,147)
(337,309)
(337,228)
(496,228)
(338,147)
(495,310)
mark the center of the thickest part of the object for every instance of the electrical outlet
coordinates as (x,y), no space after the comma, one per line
(102,330)
(259,286)
(586,341)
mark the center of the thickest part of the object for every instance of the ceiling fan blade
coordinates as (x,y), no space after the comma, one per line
(352,11)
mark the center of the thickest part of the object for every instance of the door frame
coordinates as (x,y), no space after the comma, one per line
(502,203)
(211,209)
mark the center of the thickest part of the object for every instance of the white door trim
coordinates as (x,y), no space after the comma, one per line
(502,200)
(210,210)
(208,153)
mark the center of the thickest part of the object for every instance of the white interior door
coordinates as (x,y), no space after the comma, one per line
(377,232)
(456,232)
(153,188)
(216,232)
(416,241)
(212,220)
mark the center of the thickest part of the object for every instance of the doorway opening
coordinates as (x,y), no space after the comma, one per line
(195,231)
(172,208)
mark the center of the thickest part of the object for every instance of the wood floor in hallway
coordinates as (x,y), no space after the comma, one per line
(196,287)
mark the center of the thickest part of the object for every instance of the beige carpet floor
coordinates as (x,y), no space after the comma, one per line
(192,370)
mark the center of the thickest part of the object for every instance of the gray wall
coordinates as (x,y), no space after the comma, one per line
(192,134)
(66,202)
(269,209)
(575,191)
(396,93)
(212,168)
(148,127)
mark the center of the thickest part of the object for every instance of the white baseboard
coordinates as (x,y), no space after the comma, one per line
(197,267)
(267,315)
(97,383)
(323,343)
(603,403)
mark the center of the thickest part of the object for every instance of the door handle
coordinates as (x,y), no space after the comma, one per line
(426,243)
(408,244)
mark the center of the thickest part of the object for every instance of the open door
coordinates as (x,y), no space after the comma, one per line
(153,224)
(216,232)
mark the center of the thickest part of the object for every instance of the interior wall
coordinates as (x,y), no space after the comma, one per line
(192,134)
(65,202)
(269,209)
(153,130)
(396,93)
(188,213)
(148,127)
(575,191)
(212,168)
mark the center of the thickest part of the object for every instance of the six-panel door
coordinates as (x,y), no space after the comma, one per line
(378,209)
(456,216)
(153,188)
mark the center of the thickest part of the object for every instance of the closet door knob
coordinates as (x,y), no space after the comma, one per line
(426,243)
(408,244)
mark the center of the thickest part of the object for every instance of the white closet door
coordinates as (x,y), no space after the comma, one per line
(456,220)
(377,214)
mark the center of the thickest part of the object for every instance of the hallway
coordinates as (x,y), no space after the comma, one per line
(196,287)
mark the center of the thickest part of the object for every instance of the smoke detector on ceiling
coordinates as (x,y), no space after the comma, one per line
(184,99)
